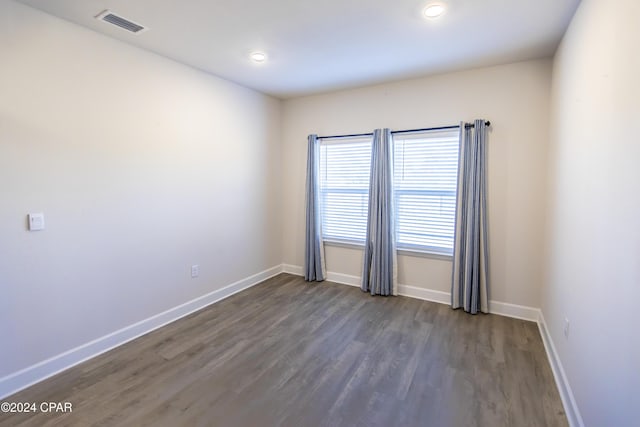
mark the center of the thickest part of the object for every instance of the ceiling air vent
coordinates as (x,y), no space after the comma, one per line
(125,24)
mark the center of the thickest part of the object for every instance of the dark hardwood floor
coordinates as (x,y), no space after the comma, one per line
(289,353)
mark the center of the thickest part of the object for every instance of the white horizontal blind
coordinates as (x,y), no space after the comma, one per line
(344,188)
(425,181)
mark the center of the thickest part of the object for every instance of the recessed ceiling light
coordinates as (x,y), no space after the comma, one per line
(258,56)
(434,10)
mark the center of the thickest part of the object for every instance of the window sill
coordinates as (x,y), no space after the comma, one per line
(401,251)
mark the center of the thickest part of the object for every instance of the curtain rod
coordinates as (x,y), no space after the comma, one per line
(355,135)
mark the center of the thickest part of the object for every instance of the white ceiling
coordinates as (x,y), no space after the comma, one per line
(322,45)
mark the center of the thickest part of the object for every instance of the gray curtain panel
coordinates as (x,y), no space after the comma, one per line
(379,274)
(470,255)
(314,266)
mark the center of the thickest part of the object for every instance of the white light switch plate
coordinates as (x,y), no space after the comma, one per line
(195,271)
(36,221)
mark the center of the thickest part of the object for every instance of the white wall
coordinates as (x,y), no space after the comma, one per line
(514,97)
(142,167)
(593,256)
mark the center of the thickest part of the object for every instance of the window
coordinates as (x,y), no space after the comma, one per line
(425,181)
(344,188)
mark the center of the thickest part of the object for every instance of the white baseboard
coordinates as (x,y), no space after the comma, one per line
(495,307)
(292,269)
(424,294)
(24,378)
(514,310)
(566,394)
(343,279)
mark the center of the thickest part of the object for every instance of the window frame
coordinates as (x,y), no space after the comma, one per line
(438,252)
(415,250)
(333,239)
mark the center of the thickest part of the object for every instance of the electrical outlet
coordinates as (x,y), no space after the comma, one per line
(195,271)
(566,328)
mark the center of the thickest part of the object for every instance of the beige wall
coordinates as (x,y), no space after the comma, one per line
(141,166)
(514,97)
(593,234)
